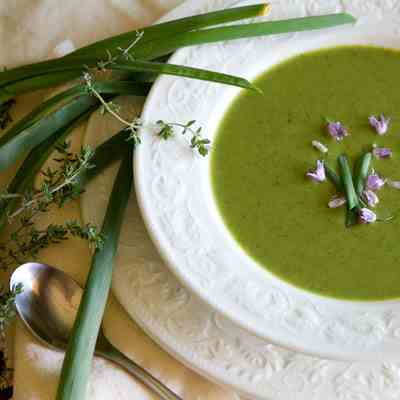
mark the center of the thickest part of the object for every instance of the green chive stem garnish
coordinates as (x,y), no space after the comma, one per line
(351,218)
(333,177)
(347,181)
(363,166)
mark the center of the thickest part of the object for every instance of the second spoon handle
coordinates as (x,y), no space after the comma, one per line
(113,354)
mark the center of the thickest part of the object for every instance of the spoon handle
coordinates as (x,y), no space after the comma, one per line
(138,372)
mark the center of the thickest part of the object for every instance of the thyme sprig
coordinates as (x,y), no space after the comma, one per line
(113,109)
(7,309)
(7,314)
(166,130)
(26,241)
(59,186)
(125,53)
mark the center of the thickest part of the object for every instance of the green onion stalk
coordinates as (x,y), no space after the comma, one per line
(78,359)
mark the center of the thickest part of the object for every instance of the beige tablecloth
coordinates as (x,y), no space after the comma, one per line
(30,30)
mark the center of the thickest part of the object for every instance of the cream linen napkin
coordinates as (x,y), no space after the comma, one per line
(29,31)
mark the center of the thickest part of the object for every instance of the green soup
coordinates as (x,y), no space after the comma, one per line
(263,149)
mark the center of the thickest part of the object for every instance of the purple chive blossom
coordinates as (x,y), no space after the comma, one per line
(393,184)
(380,124)
(337,201)
(375,182)
(367,216)
(337,130)
(382,152)
(370,197)
(318,174)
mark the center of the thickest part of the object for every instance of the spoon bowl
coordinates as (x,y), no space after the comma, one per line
(48,302)
(48,305)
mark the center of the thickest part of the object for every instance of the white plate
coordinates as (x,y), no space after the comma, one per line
(202,338)
(173,189)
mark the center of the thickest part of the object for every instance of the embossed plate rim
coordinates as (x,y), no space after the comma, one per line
(289,330)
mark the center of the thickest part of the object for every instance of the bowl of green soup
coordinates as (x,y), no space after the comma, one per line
(290,226)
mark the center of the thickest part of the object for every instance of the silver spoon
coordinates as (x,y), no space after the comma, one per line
(48,305)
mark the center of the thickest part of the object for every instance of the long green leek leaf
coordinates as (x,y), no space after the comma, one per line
(187,24)
(34,83)
(180,70)
(100,49)
(78,358)
(50,116)
(41,111)
(157,48)
(33,135)
(121,87)
(162,68)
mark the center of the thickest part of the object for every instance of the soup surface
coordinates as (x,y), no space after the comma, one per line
(263,150)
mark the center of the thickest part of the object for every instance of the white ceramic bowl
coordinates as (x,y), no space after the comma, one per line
(174,193)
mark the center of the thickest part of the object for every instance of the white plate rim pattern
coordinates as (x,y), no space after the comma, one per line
(193,243)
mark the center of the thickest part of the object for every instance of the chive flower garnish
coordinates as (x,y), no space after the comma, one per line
(317,174)
(375,182)
(382,152)
(380,124)
(337,201)
(370,198)
(319,146)
(367,216)
(355,190)
(337,130)
(347,180)
(393,184)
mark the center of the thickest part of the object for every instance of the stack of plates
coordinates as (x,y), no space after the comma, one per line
(186,282)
